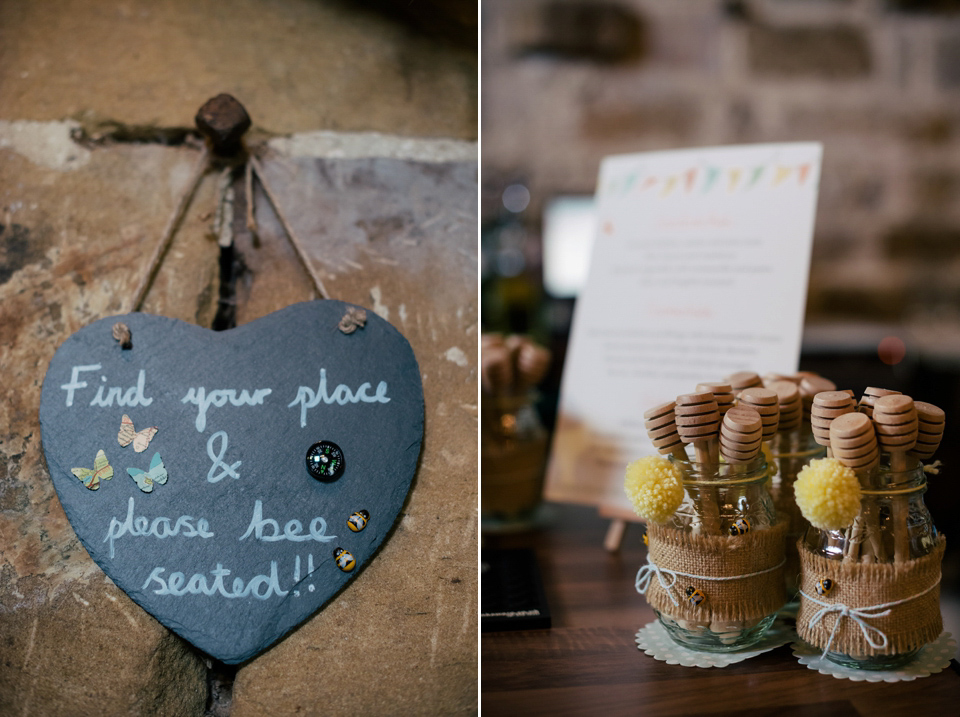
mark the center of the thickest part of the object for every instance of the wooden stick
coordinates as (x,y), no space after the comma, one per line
(294,240)
(150,273)
(248,188)
(698,422)
(854,443)
(614,536)
(896,422)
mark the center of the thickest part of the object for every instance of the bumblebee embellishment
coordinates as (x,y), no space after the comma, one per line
(358,521)
(740,526)
(345,561)
(695,596)
(824,586)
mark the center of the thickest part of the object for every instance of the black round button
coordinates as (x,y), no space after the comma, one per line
(325,461)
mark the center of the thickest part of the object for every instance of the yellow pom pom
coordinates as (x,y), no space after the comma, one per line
(655,487)
(828,494)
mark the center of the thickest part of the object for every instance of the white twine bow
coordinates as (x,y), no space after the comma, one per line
(646,573)
(855,614)
(645,576)
(859,615)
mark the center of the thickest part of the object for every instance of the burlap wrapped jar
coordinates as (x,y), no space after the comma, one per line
(715,569)
(859,603)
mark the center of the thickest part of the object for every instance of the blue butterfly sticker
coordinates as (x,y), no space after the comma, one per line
(146,479)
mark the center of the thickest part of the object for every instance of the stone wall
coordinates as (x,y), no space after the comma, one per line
(878,82)
(395,232)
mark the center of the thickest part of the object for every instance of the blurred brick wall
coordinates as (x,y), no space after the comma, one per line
(878,82)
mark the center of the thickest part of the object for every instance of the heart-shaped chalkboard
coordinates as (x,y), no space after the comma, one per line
(213,522)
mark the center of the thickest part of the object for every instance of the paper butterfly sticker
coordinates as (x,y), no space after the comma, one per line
(139,439)
(146,479)
(102,470)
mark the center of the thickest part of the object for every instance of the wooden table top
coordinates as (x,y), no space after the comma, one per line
(589,664)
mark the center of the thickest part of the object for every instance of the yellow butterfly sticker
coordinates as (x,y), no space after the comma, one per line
(128,435)
(102,470)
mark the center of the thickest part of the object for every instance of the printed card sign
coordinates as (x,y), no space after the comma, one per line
(232,483)
(699,270)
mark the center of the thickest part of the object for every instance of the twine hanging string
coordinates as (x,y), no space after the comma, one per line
(251,170)
(859,615)
(222,120)
(199,169)
(294,240)
(646,573)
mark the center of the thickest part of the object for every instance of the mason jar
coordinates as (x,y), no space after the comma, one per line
(790,452)
(727,512)
(893,526)
(513,451)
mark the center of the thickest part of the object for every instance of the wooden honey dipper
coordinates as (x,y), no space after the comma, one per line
(827,406)
(661,426)
(791,406)
(741,434)
(854,443)
(698,422)
(810,386)
(722,392)
(897,424)
(930,423)
(533,362)
(870,395)
(743,379)
(766,403)
(772,376)
(496,369)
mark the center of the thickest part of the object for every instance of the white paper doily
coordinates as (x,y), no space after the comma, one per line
(931,659)
(654,640)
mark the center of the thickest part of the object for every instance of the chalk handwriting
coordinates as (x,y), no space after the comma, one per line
(225,470)
(133,396)
(342,395)
(219,398)
(141,526)
(293,530)
(260,586)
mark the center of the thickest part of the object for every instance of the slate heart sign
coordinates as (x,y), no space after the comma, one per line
(182,465)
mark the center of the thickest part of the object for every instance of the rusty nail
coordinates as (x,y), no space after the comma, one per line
(223,121)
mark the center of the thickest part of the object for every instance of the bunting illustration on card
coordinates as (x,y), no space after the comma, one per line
(769,174)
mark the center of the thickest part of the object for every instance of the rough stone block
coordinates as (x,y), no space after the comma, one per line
(573,29)
(74,234)
(948,61)
(923,242)
(857,303)
(395,234)
(608,121)
(936,190)
(820,52)
(400,238)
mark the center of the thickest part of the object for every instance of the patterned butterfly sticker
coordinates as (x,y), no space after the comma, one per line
(128,435)
(146,479)
(91,478)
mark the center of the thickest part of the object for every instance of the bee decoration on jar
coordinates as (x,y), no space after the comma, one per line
(695,596)
(358,521)
(740,526)
(646,540)
(345,561)
(824,586)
